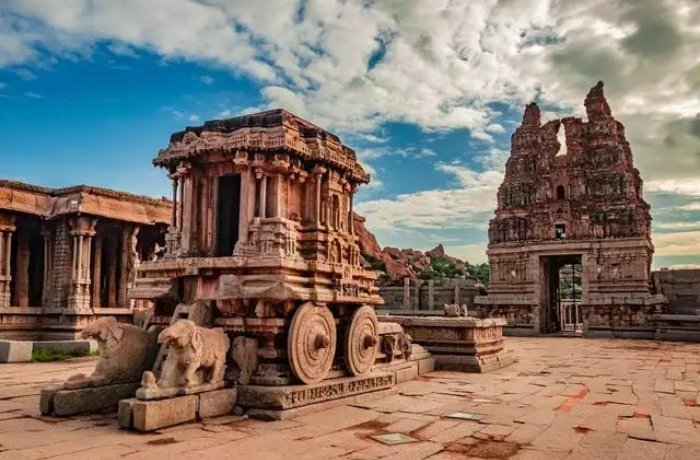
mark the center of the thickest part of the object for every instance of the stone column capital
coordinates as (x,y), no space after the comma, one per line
(7,222)
(82,225)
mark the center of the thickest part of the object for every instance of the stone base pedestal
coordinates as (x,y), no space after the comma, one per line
(60,402)
(12,351)
(276,402)
(461,344)
(477,364)
(135,414)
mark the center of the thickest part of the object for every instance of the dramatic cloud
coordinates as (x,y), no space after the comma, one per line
(355,65)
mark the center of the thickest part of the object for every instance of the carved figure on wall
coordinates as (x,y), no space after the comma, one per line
(126,351)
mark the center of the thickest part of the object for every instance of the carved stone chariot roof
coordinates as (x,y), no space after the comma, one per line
(271,131)
(50,203)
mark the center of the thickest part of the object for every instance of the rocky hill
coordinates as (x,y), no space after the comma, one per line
(397,264)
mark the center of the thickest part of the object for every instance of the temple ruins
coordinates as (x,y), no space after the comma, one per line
(69,255)
(575,203)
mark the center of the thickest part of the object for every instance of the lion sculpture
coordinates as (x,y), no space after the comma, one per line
(196,355)
(125,352)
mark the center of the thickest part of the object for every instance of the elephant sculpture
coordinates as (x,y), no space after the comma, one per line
(196,355)
(126,351)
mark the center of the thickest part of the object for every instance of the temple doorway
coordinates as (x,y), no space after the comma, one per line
(561,310)
(227,205)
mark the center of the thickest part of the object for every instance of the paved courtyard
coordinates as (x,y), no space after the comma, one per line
(564,399)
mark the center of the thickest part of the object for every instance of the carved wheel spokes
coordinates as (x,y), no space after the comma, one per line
(361,341)
(311,342)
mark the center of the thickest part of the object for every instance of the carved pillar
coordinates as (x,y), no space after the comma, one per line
(48,236)
(22,270)
(97,273)
(7,227)
(173,222)
(263,196)
(277,194)
(318,180)
(82,231)
(246,204)
(112,276)
(129,261)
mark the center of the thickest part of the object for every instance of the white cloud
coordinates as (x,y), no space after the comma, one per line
(468,205)
(690,206)
(206,79)
(688,187)
(677,244)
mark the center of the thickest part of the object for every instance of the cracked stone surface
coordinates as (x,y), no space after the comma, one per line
(564,399)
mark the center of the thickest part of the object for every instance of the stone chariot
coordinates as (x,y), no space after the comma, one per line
(262,234)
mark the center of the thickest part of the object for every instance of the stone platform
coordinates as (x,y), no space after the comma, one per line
(564,398)
(457,343)
(61,402)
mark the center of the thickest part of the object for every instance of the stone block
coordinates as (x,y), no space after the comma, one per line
(12,351)
(409,373)
(217,403)
(151,415)
(46,398)
(84,400)
(125,413)
(67,346)
(426,365)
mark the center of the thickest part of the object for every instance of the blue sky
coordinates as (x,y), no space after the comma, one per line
(427,93)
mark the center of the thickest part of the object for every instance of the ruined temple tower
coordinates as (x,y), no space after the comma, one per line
(579,203)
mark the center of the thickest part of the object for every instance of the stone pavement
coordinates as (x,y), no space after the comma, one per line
(564,399)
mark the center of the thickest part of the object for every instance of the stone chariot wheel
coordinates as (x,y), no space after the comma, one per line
(311,342)
(361,341)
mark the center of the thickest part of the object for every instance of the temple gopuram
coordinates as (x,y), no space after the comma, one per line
(68,256)
(573,203)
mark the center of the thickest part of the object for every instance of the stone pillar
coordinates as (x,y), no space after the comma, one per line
(457,292)
(247,202)
(173,222)
(318,173)
(407,293)
(263,196)
(82,231)
(97,274)
(7,227)
(431,295)
(22,270)
(128,247)
(112,277)
(48,265)
(277,203)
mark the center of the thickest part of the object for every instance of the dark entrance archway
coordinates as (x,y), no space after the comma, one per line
(560,305)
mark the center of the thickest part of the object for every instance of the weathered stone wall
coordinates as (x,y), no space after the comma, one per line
(423,296)
(681,288)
